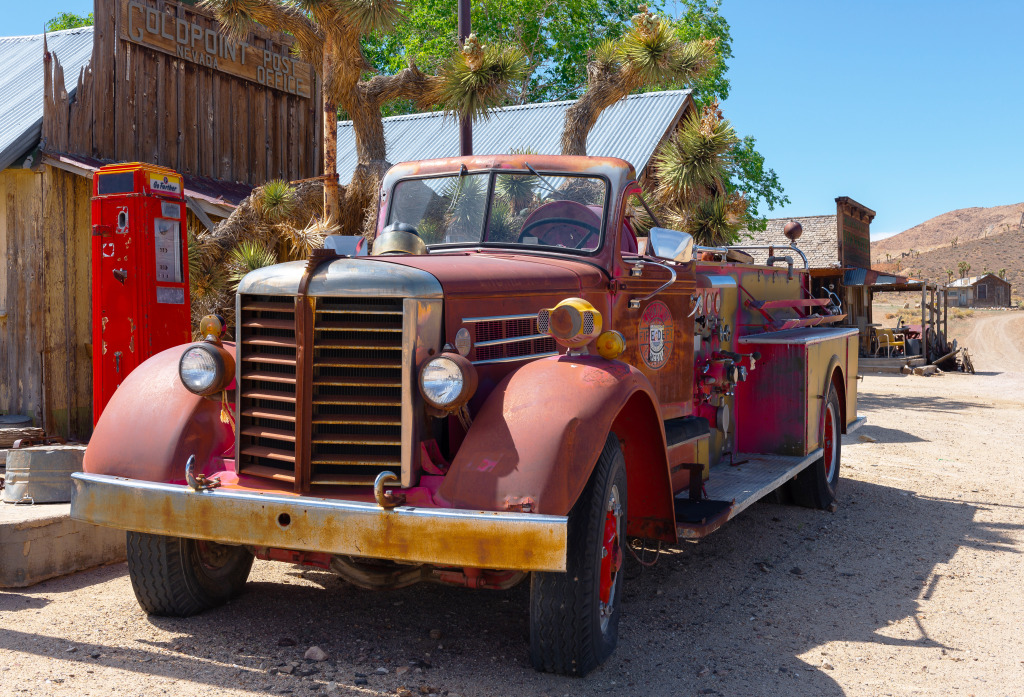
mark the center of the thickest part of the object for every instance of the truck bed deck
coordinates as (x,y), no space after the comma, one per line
(731,488)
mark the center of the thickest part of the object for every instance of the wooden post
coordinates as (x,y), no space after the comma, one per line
(465,122)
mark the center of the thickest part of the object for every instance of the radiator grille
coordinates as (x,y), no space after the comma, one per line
(266,404)
(357,389)
(356,400)
(499,339)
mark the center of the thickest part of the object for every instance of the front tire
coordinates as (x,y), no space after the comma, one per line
(574,616)
(178,577)
(816,486)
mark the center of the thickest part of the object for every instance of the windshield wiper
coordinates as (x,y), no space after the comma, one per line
(548,184)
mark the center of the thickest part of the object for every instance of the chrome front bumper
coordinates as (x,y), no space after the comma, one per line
(441,536)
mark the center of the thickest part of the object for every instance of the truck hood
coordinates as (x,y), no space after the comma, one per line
(485,274)
(462,274)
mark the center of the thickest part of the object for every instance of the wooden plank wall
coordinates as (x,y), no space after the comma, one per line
(21,351)
(137,104)
(67,311)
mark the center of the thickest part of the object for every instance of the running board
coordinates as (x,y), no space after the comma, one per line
(855,424)
(732,488)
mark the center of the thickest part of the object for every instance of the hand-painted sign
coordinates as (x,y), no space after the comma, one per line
(656,335)
(162,31)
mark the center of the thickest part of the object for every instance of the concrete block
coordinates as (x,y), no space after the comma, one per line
(42,541)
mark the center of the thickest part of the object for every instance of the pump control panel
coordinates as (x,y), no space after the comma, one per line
(139,270)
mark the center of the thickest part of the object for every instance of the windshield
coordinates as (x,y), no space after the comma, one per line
(529,209)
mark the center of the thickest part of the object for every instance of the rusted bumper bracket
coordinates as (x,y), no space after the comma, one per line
(442,536)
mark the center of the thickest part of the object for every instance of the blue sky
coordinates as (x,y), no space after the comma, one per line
(912,108)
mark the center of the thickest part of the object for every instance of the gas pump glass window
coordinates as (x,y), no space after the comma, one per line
(526,209)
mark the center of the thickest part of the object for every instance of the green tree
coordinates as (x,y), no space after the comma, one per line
(69,20)
(328,34)
(964,268)
(560,40)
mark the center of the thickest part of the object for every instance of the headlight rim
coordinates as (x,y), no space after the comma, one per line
(221,376)
(469,381)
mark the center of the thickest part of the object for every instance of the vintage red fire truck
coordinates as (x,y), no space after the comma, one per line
(513,385)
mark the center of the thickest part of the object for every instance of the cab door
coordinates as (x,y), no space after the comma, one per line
(653,312)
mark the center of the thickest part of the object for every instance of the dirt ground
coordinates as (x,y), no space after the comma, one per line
(913,587)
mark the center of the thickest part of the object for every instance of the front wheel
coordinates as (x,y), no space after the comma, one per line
(178,577)
(574,616)
(816,486)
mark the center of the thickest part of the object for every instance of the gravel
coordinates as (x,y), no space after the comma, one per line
(913,586)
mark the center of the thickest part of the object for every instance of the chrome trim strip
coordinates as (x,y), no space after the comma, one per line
(497,318)
(513,359)
(421,338)
(443,536)
(512,340)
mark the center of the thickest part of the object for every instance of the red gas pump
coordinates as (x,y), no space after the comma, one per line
(139,271)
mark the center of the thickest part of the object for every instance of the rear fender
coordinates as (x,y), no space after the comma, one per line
(539,433)
(153,424)
(834,379)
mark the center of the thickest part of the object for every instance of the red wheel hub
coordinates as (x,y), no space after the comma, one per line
(611,555)
(829,443)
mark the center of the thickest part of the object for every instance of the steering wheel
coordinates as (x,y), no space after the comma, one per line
(590,229)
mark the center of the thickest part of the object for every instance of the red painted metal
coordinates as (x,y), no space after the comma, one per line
(139,271)
(611,556)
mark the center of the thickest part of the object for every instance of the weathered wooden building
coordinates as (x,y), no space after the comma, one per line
(153,81)
(987,290)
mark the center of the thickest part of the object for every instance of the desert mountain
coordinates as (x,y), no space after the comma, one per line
(962,225)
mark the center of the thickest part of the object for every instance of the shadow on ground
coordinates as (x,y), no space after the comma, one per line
(728,615)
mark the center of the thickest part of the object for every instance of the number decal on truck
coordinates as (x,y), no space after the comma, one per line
(656,335)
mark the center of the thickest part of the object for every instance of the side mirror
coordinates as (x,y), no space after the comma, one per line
(671,244)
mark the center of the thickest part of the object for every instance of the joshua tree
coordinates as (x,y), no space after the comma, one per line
(327,34)
(949,275)
(954,242)
(690,171)
(650,53)
(964,268)
(1002,274)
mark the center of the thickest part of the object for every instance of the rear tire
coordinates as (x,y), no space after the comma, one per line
(574,616)
(816,486)
(178,577)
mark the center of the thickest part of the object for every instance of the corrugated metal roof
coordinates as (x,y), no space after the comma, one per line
(630,129)
(963,282)
(21,84)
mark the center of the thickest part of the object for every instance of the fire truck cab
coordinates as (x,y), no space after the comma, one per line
(514,384)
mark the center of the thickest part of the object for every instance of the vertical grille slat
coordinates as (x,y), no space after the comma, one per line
(355,403)
(357,389)
(267,394)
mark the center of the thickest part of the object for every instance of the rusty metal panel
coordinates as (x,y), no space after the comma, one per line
(448,537)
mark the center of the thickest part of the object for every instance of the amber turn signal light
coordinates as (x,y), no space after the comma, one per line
(573,323)
(611,344)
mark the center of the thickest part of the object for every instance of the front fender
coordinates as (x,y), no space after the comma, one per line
(152,424)
(539,434)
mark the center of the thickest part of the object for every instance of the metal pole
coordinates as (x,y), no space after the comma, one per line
(465,123)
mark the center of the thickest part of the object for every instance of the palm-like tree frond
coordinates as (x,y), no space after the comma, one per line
(469,84)
(372,15)
(276,200)
(691,164)
(238,18)
(710,222)
(302,241)
(246,257)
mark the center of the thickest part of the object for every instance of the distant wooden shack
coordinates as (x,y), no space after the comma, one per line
(153,81)
(987,290)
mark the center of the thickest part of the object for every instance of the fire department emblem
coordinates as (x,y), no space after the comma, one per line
(657,334)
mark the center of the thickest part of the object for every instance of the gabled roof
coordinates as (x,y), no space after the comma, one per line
(820,240)
(971,280)
(21,84)
(630,129)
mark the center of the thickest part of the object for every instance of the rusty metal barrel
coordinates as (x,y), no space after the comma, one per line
(41,474)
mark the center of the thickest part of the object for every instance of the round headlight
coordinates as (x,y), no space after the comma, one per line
(202,370)
(448,381)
